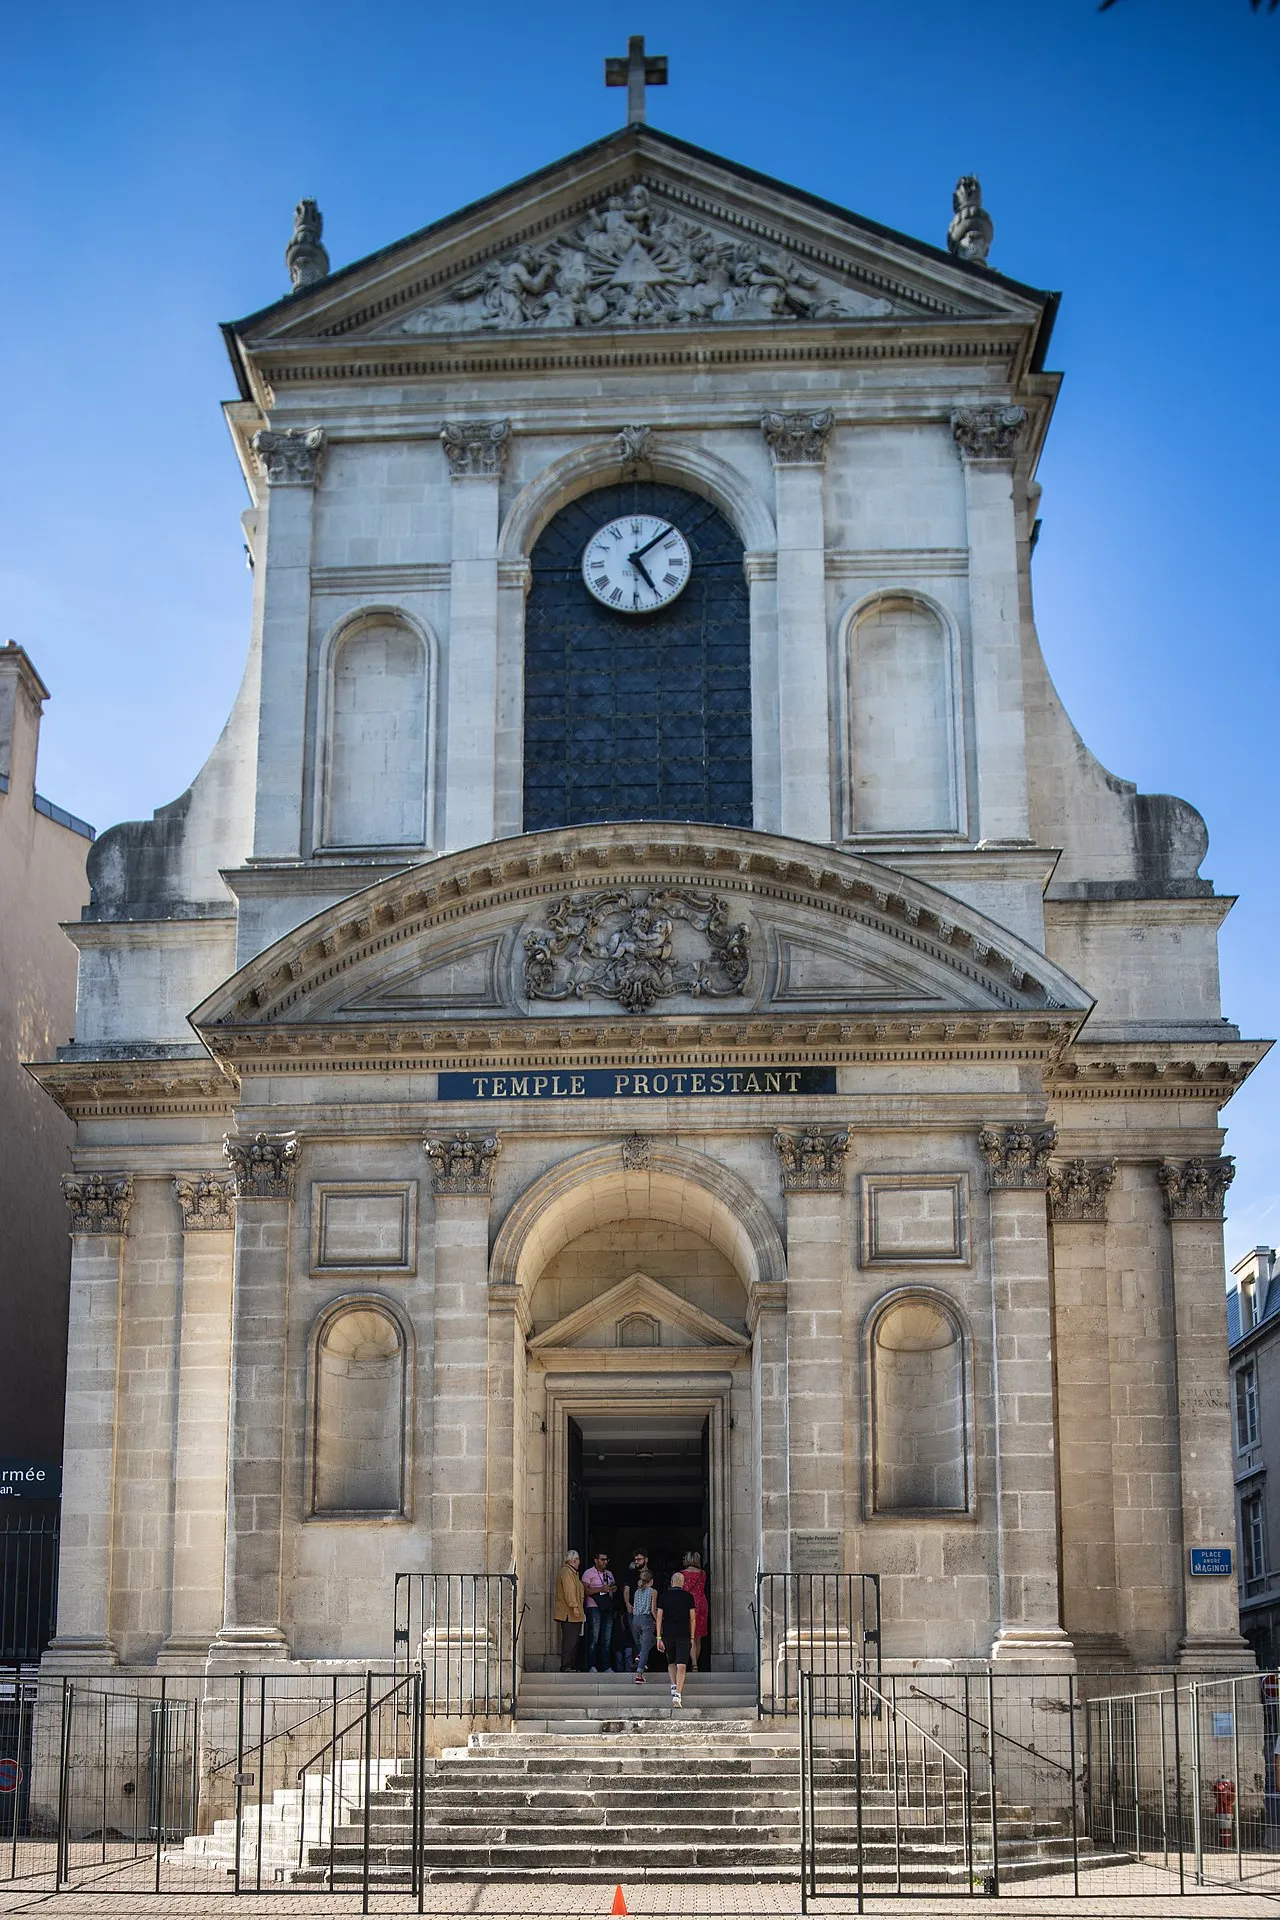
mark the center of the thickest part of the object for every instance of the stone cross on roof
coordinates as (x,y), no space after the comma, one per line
(635,73)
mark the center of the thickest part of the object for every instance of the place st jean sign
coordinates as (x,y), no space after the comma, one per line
(631,1083)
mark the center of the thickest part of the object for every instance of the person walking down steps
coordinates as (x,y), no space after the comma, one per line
(675,1631)
(569,1611)
(644,1624)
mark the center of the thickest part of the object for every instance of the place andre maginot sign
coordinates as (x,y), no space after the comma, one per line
(630,1083)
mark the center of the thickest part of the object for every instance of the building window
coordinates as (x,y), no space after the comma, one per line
(359,1413)
(919,1409)
(1246,1407)
(1253,1539)
(1248,1305)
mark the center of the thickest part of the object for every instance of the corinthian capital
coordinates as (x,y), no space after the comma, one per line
(476,449)
(1078,1190)
(208,1203)
(262,1168)
(797,439)
(811,1162)
(98,1203)
(1016,1156)
(1196,1190)
(463,1164)
(988,434)
(290,456)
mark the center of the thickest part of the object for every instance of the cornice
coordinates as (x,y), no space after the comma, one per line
(1154,1070)
(102,1089)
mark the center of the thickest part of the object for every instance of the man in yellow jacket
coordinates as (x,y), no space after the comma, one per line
(570,1610)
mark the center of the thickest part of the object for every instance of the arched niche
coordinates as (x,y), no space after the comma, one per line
(359,1410)
(375,727)
(920,1406)
(902,718)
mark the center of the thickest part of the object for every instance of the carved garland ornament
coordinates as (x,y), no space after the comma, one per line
(464,1164)
(812,1161)
(98,1203)
(620,945)
(631,263)
(291,456)
(262,1168)
(1017,1156)
(1196,1190)
(1078,1191)
(208,1203)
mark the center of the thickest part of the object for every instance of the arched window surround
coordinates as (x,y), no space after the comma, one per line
(888,594)
(348,627)
(332,1312)
(944,1304)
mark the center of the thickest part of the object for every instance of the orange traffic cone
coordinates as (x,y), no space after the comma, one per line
(619,1903)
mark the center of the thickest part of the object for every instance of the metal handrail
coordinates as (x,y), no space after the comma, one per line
(911,1721)
(994,1732)
(281,1733)
(370,1707)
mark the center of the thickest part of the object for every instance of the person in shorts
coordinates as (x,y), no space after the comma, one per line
(675,1632)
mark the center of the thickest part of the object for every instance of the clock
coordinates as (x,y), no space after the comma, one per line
(637,564)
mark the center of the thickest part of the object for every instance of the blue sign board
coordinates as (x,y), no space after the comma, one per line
(1211,1560)
(626,1083)
(29,1479)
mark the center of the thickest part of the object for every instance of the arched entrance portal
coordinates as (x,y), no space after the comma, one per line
(639,1285)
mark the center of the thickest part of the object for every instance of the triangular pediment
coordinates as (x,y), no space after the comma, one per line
(604,1321)
(638,231)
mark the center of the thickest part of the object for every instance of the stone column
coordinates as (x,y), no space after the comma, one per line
(761,570)
(987,438)
(767,1324)
(1022,1354)
(1077,1194)
(263,1171)
(506,1333)
(1194,1203)
(207,1203)
(813,1182)
(99,1206)
(798,442)
(462,1181)
(291,460)
(476,451)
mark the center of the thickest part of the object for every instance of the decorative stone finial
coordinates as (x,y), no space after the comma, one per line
(1196,1190)
(988,433)
(304,256)
(970,233)
(633,445)
(464,1164)
(99,1203)
(1017,1156)
(208,1203)
(290,456)
(812,1161)
(476,449)
(262,1168)
(1078,1190)
(798,439)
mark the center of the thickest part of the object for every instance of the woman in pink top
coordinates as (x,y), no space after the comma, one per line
(695,1581)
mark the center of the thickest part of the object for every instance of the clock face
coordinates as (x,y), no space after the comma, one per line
(637,564)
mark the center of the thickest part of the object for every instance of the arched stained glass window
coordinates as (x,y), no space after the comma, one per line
(637,717)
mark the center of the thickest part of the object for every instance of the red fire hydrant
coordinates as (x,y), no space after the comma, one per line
(1224,1806)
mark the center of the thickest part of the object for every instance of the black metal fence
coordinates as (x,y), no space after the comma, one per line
(987,1783)
(28,1578)
(460,1632)
(824,1624)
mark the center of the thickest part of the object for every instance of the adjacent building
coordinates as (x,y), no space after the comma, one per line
(1253,1323)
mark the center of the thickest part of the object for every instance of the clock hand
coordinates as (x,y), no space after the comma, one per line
(642,570)
(653,543)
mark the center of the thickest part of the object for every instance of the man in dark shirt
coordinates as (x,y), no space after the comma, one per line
(675,1631)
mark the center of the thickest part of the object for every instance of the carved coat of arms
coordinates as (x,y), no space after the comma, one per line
(627,946)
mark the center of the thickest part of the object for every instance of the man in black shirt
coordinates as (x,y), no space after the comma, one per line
(675,1631)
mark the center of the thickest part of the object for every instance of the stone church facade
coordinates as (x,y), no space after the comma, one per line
(746,1032)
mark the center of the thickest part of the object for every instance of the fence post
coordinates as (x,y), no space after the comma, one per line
(1075,1819)
(62,1852)
(1177,1782)
(1197,1824)
(968,1787)
(262,1762)
(991,1777)
(806,1762)
(857,1768)
(368,1755)
(1235,1749)
(161,1771)
(420,1822)
(759,1640)
(897,1811)
(1164,1789)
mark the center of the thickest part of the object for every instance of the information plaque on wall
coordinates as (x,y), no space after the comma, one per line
(816,1553)
(1211,1562)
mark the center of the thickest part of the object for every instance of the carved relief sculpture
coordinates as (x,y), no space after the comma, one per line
(988,433)
(812,1161)
(1078,1190)
(263,1167)
(1017,1156)
(622,945)
(305,256)
(476,449)
(637,1152)
(633,444)
(970,234)
(633,263)
(208,1203)
(464,1164)
(99,1203)
(290,456)
(797,439)
(1196,1190)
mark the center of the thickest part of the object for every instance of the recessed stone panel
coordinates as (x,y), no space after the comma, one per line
(364,1227)
(916,1218)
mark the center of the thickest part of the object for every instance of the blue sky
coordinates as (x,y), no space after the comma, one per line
(152,156)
